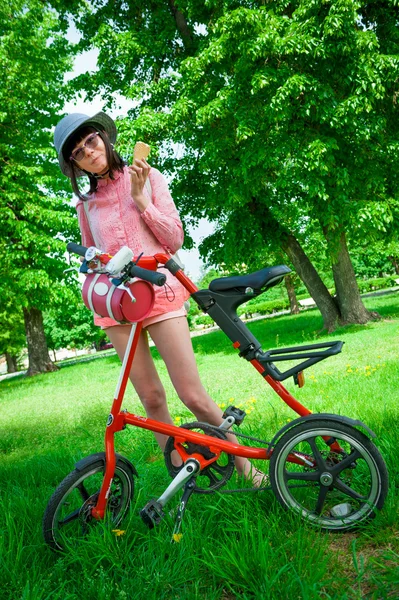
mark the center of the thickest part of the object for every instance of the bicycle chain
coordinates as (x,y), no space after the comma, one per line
(236,433)
(247,437)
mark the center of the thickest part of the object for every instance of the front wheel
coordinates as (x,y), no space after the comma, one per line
(68,518)
(330,489)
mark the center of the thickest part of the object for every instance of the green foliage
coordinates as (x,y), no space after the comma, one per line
(12,331)
(35,214)
(69,324)
(379,283)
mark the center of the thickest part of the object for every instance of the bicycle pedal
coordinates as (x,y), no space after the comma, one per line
(237,414)
(152,513)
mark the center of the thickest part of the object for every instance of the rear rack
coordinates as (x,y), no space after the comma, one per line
(312,354)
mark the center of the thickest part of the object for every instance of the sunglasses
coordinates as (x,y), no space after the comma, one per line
(91,142)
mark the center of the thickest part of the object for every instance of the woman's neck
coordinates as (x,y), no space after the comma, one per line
(103,175)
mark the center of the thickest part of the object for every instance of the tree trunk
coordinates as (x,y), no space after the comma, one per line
(12,363)
(395,261)
(289,286)
(310,277)
(303,266)
(347,291)
(39,359)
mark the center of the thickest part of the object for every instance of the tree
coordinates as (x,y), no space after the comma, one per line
(70,324)
(36,216)
(288,107)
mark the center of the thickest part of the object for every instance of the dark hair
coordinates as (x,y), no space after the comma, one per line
(115,162)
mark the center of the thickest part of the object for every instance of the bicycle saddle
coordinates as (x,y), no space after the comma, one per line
(260,280)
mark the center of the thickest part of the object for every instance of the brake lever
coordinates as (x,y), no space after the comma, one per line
(84,268)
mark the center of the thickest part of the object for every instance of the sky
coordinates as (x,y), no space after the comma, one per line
(87,62)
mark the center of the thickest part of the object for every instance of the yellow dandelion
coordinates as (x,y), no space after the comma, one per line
(367,367)
(118,532)
(177,537)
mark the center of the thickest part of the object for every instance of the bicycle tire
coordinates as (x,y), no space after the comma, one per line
(340,490)
(60,531)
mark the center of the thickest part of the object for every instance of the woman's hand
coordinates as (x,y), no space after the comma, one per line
(138,175)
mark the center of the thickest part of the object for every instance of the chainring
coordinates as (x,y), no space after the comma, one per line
(215,475)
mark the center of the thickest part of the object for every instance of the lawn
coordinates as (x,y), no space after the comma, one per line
(238,546)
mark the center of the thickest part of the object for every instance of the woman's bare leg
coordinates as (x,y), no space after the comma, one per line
(144,376)
(172,339)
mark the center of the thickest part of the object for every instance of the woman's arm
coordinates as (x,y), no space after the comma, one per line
(161,215)
(85,231)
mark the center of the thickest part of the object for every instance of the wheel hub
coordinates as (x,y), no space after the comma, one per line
(326,479)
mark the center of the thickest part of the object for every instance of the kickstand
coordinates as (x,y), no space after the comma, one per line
(188,490)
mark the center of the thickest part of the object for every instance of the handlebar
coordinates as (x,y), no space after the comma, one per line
(76,248)
(133,270)
(150,276)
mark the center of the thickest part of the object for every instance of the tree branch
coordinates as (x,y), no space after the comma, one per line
(183,27)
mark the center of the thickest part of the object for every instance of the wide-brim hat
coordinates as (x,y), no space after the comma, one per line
(71,123)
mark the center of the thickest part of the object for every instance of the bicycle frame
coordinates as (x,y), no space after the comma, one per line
(118,419)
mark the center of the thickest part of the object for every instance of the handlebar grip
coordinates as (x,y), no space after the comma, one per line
(151,276)
(76,248)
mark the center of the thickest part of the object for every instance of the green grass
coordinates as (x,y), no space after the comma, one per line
(240,546)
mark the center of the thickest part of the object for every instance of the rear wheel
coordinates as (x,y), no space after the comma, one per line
(333,490)
(68,518)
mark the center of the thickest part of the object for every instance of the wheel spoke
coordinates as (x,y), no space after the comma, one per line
(346,489)
(71,517)
(302,476)
(317,454)
(345,462)
(83,492)
(320,499)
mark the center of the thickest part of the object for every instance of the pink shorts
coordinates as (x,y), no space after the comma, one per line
(181,312)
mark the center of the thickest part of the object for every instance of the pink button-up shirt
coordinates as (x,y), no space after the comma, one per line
(115,221)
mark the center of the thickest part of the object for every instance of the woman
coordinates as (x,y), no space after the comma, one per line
(118,211)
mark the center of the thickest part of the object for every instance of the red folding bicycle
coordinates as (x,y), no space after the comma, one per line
(322,466)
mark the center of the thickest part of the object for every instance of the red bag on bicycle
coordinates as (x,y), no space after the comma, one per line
(124,304)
